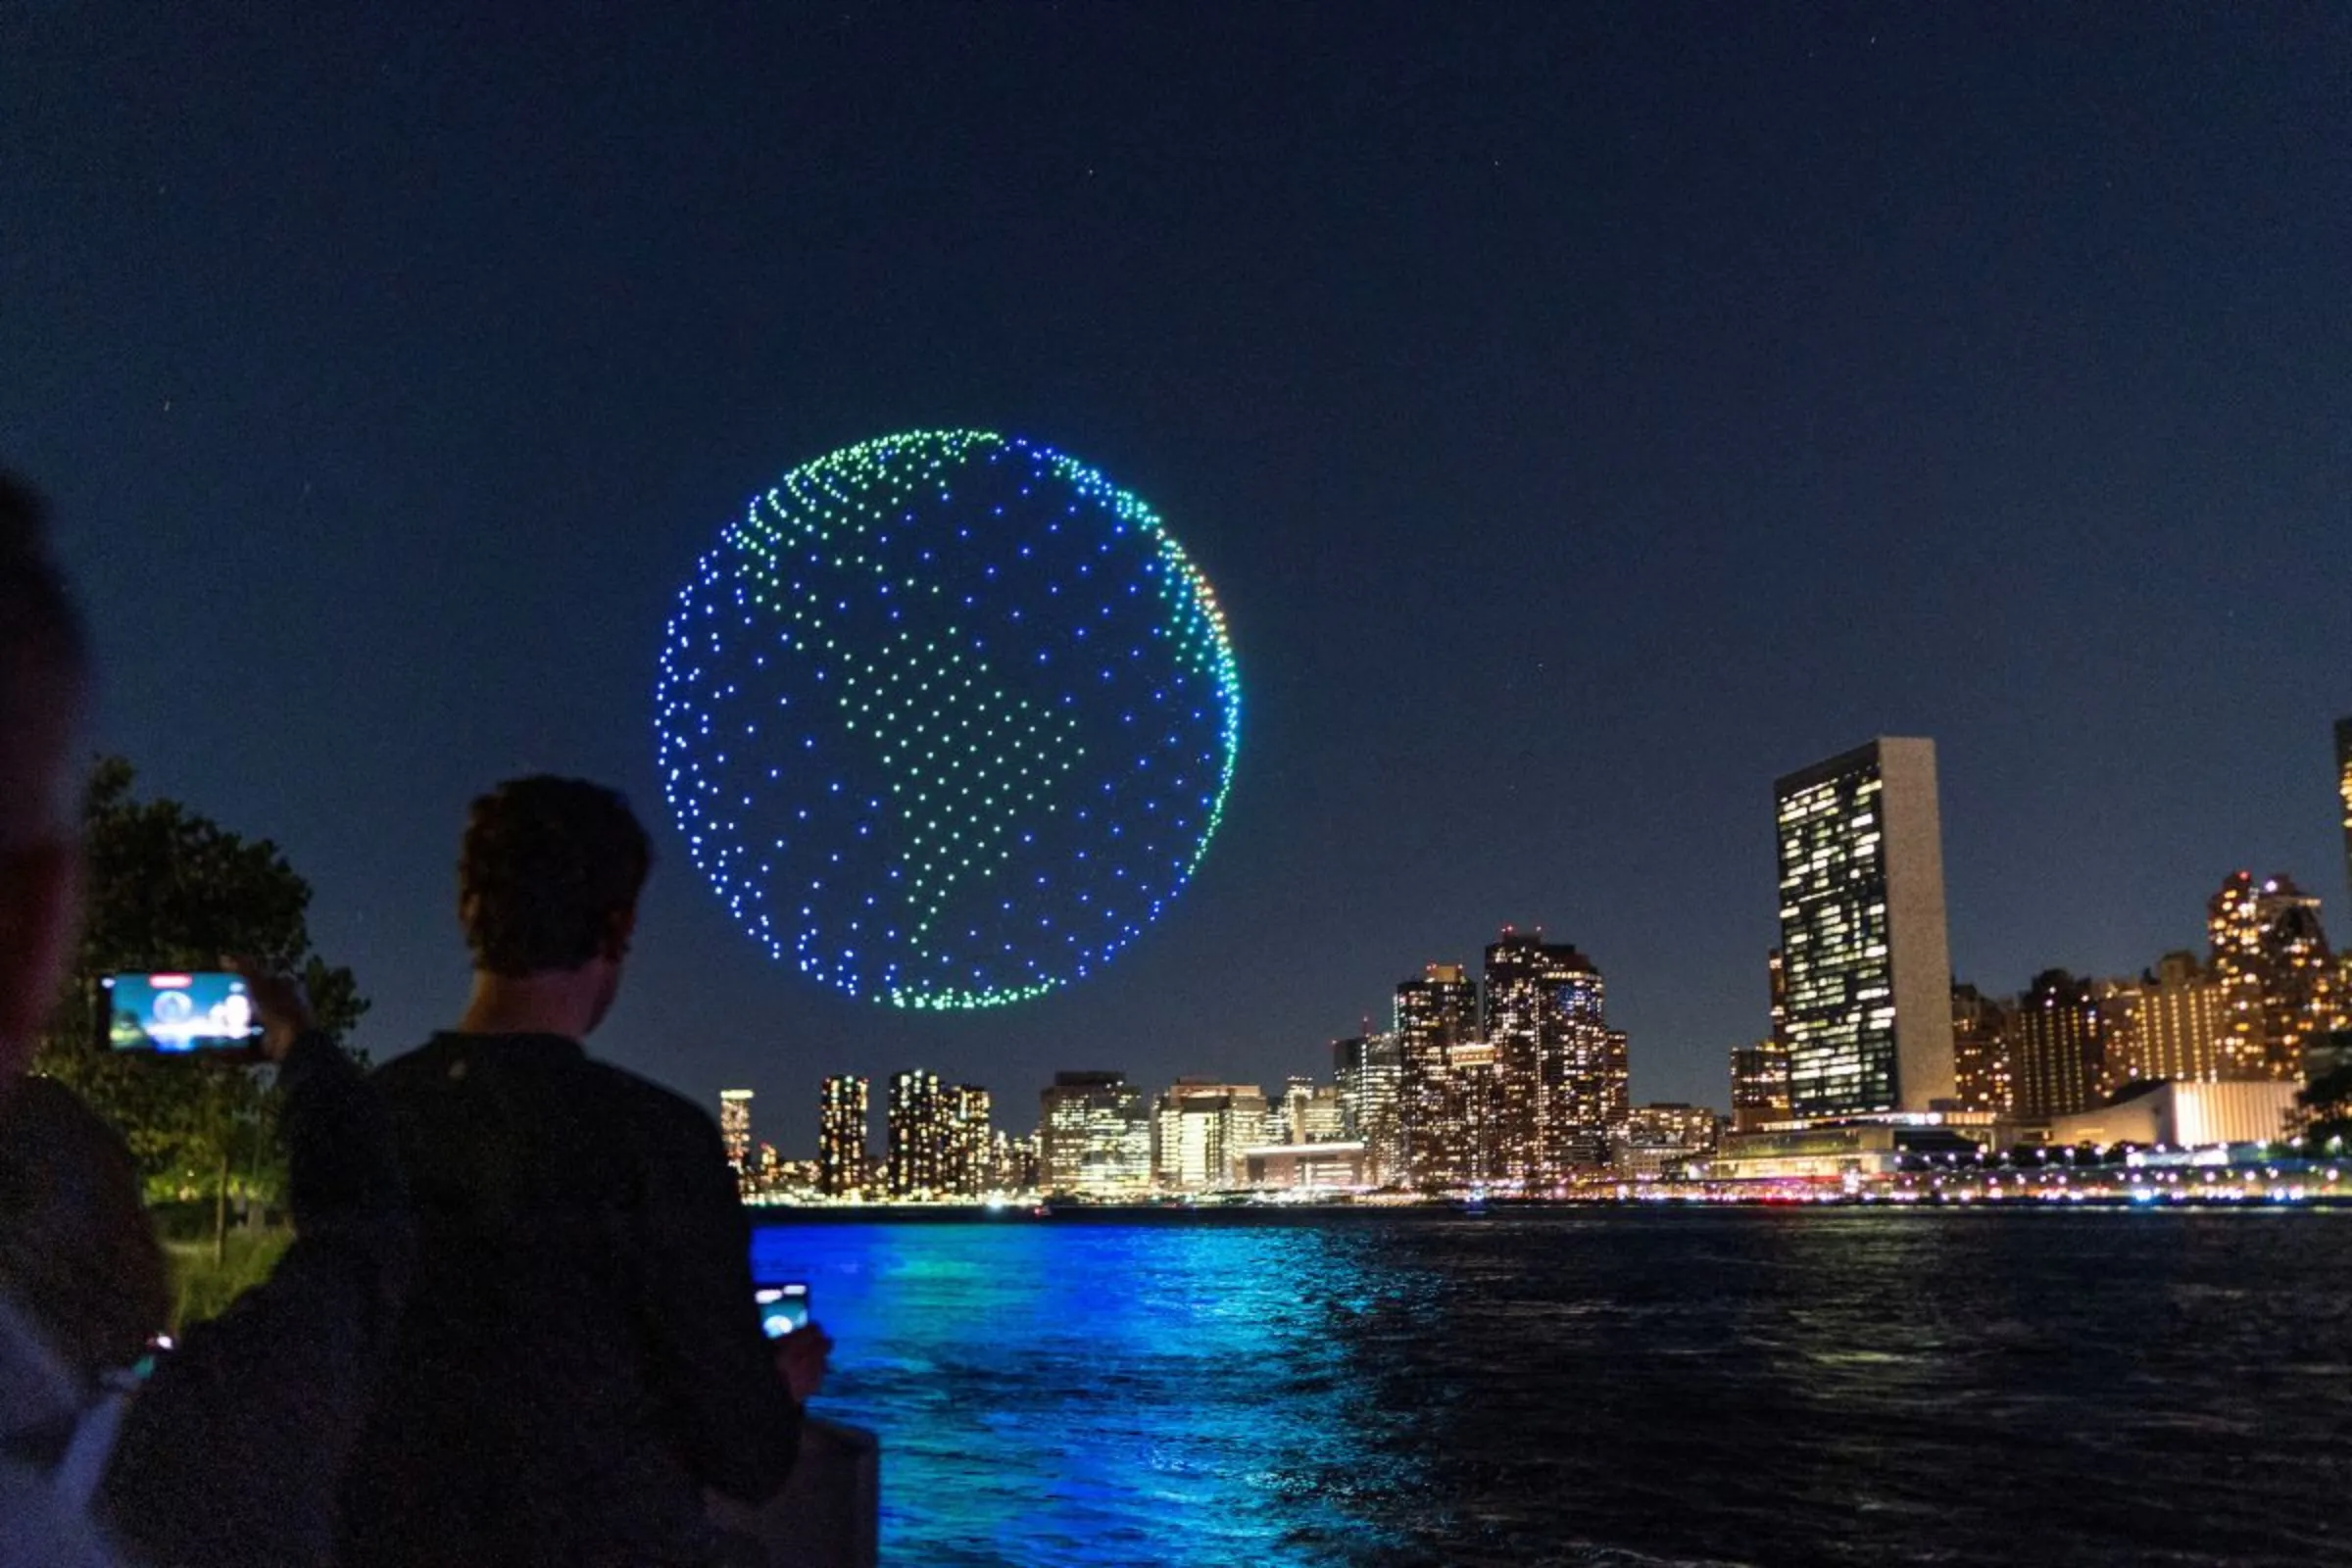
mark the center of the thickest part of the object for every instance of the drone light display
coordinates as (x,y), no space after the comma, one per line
(947,719)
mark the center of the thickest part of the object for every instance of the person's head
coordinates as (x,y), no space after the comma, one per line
(44,679)
(548,882)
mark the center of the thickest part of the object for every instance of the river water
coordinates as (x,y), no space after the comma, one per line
(1615,1387)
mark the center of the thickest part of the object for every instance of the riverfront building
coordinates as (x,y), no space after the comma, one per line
(1302,1169)
(2179,1023)
(841,1137)
(2344,789)
(2276,978)
(922,1137)
(1093,1137)
(1465,1143)
(2184,1116)
(1866,963)
(1199,1130)
(1368,1071)
(1560,1073)
(1759,1086)
(972,1156)
(1982,1031)
(1435,1015)
(735,1127)
(1311,1113)
(2060,1047)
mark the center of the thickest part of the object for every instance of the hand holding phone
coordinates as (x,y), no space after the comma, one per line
(783,1307)
(281,1002)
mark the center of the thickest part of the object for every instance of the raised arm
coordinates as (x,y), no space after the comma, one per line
(234,1452)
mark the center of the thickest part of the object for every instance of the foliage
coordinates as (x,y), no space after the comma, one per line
(167,888)
(203,1288)
(2326,1103)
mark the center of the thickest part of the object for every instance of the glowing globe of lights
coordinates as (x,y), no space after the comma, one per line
(947,719)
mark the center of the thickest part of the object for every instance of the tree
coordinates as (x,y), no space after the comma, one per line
(2324,1104)
(167,888)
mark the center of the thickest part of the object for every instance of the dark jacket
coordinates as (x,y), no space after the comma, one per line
(580,1356)
(233,1450)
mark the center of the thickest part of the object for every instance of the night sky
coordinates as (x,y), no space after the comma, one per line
(1584,416)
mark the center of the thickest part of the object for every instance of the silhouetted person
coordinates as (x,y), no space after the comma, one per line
(230,1452)
(581,1356)
(44,679)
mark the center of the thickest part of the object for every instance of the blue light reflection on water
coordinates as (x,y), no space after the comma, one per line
(1598,1389)
(1092,1395)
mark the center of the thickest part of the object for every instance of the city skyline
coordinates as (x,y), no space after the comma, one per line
(1514,1079)
(2037,1073)
(1585,417)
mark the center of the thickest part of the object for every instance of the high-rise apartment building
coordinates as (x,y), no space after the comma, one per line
(922,1137)
(1759,1086)
(2121,1049)
(1434,1014)
(1561,1075)
(1982,1037)
(1093,1137)
(1863,946)
(1369,1072)
(735,1127)
(971,1142)
(841,1137)
(2277,980)
(2059,1054)
(2177,1032)
(1465,1144)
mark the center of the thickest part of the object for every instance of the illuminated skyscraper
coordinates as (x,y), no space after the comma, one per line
(2343,788)
(1759,1086)
(1434,1014)
(1982,1079)
(735,1127)
(971,1144)
(922,1137)
(1368,1071)
(2179,1033)
(2059,1055)
(1561,1076)
(841,1137)
(1868,971)
(2276,977)
(1465,1148)
(1093,1137)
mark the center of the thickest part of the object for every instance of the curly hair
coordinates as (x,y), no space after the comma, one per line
(547,865)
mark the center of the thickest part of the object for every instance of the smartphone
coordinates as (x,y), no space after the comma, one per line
(782,1307)
(180,1013)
